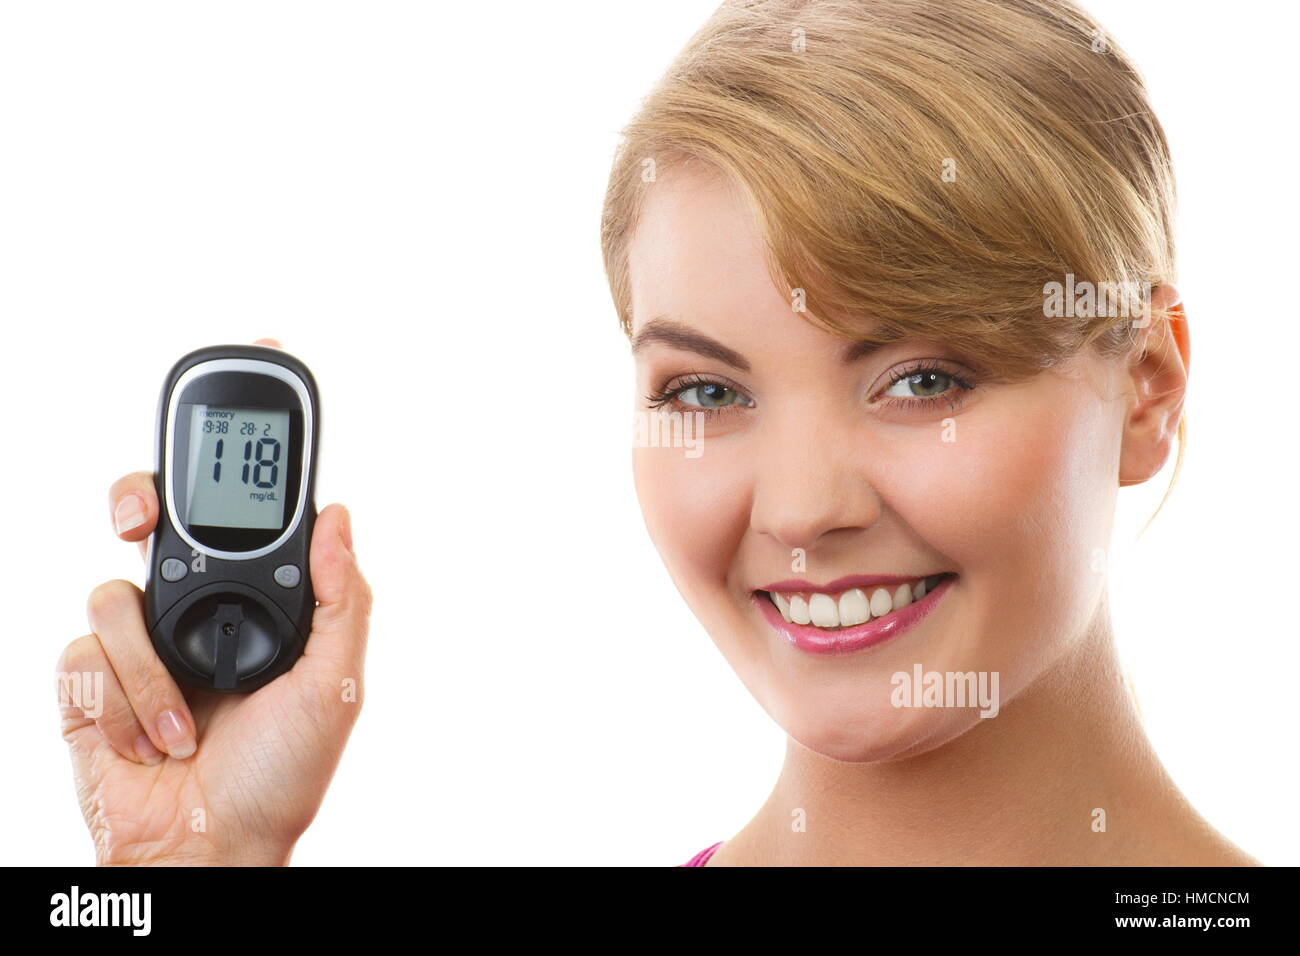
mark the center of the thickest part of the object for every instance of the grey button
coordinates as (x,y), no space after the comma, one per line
(287,575)
(173,569)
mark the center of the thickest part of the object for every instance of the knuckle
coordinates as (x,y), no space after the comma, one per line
(361,589)
(151,686)
(110,599)
(78,654)
(118,716)
(80,678)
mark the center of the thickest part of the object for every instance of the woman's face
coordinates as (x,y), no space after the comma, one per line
(819,468)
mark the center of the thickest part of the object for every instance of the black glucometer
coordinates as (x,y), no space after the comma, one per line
(228,597)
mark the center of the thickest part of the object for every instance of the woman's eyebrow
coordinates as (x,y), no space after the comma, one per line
(860,350)
(680,336)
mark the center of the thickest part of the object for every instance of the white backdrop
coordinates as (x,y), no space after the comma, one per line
(407,196)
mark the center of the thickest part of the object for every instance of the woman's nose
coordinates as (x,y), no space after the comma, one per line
(805,489)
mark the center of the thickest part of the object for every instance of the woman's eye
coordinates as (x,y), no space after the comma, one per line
(926,384)
(710,396)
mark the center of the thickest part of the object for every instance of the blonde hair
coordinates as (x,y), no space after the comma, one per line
(922,169)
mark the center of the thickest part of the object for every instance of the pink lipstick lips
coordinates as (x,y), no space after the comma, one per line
(847,639)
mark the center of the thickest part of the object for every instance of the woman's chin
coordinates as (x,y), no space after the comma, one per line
(874,736)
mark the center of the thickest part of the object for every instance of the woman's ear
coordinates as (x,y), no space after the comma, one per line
(1158,375)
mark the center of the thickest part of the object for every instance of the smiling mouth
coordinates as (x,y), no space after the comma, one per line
(836,610)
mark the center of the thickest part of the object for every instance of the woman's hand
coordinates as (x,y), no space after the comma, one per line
(203,778)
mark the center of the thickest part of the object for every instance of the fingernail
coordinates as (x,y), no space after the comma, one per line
(146,751)
(129,513)
(179,741)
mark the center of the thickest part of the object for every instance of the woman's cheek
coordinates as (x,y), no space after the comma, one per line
(696,512)
(1021,503)
(1019,480)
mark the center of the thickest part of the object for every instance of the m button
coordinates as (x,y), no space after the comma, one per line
(287,575)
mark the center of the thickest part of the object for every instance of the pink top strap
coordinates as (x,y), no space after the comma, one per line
(702,857)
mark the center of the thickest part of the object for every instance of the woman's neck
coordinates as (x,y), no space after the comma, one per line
(1023,788)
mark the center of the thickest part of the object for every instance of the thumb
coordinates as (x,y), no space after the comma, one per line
(336,648)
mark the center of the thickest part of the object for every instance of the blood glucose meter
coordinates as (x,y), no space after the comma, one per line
(228,597)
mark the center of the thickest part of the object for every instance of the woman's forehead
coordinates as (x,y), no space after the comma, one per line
(698,252)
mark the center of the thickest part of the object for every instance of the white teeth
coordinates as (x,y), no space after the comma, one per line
(854,608)
(903,596)
(823,610)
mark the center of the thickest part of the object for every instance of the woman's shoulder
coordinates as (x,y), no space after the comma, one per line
(702,857)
